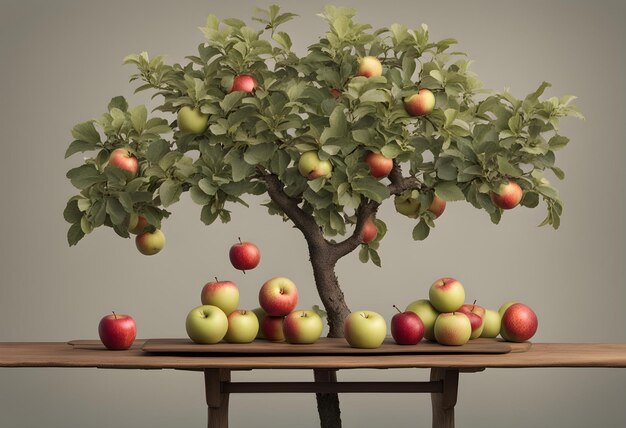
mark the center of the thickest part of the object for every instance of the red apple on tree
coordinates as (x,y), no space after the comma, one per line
(137,224)
(278,296)
(420,103)
(334,92)
(508,195)
(150,243)
(117,331)
(302,327)
(519,323)
(409,206)
(380,165)
(406,327)
(437,206)
(244,83)
(244,256)
(223,294)
(125,160)
(370,66)
(369,231)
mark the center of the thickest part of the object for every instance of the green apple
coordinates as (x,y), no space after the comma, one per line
(505,306)
(302,327)
(365,329)
(446,294)
(150,243)
(243,326)
(191,120)
(453,328)
(260,314)
(223,294)
(407,206)
(420,103)
(370,66)
(491,322)
(427,314)
(206,324)
(312,167)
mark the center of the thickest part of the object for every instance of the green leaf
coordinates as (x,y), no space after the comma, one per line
(558,142)
(139,117)
(283,40)
(374,96)
(118,102)
(231,100)
(86,132)
(259,153)
(156,150)
(116,211)
(208,215)
(75,234)
(240,168)
(72,213)
(421,231)
(371,188)
(79,146)
(548,191)
(449,192)
(170,192)
(364,254)
(508,168)
(85,176)
(374,256)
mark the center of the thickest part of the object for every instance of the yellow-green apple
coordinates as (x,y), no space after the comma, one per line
(380,165)
(505,306)
(137,224)
(519,323)
(206,324)
(369,231)
(150,243)
(406,327)
(223,294)
(260,314)
(453,328)
(409,206)
(243,326)
(312,167)
(244,83)
(125,160)
(302,327)
(369,66)
(491,322)
(117,331)
(476,322)
(420,103)
(446,294)
(278,296)
(244,256)
(365,329)
(427,313)
(191,120)
(272,328)
(507,195)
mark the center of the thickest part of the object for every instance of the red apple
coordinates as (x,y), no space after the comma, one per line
(244,255)
(302,327)
(369,231)
(150,243)
(123,159)
(420,104)
(223,294)
(117,331)
(370,66)
(476,322)
(508,195)
(380,165)
(473,308)
(272,328)
(407,327)
(334,92)
(278,296)
(519,323)
(137,224)
(245,83)
(437,206)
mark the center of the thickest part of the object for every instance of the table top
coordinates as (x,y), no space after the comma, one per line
(57,354)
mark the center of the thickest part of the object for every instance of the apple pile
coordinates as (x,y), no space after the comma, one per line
(448,320)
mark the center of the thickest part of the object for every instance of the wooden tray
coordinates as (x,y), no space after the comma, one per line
(330,346)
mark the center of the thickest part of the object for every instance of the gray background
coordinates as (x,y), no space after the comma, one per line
(61,63)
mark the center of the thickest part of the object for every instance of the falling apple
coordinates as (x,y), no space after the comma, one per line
(244,255)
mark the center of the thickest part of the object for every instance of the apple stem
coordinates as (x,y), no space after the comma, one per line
(474,304)
(114,315)
(399,311)
(244,272)
(240,240)
(215,279)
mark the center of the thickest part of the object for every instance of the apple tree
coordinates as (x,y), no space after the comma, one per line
(253,107)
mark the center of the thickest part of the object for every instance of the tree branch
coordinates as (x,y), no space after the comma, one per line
(366,209)
(302,220)
(399,183)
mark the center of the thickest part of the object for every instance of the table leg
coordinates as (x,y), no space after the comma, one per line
(443,403)
(216,397)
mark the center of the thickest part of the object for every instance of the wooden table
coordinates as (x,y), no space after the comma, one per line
(443,384)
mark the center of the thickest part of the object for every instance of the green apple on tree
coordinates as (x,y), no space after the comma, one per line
(206,324)
(150,243)
(312,167)
(370,66)
(365,329)
(191,120)
(420,103)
